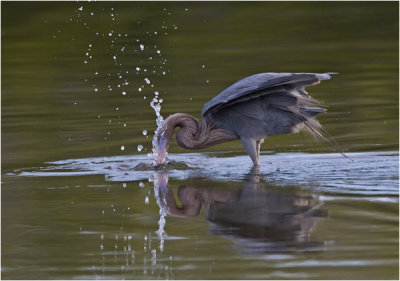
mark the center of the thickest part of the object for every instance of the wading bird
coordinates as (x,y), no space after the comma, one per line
(250,110)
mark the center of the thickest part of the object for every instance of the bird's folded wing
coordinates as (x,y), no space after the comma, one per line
(263,84)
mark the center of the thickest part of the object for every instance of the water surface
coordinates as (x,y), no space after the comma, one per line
(79,201)
(201,216)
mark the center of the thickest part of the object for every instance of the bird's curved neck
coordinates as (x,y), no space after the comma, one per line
(194,135)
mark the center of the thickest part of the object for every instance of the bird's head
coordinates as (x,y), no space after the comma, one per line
(189,127)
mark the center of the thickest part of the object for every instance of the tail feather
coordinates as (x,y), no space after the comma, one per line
(313,127)
(311,111)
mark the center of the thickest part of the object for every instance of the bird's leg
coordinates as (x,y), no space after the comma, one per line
(250,145)
(258,147)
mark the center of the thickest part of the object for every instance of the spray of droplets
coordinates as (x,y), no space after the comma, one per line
(103,83)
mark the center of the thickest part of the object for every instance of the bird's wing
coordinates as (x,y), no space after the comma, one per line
(263,84)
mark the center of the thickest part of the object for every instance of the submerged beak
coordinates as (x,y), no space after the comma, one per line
(161,150)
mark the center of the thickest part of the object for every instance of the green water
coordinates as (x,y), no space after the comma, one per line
(53,225)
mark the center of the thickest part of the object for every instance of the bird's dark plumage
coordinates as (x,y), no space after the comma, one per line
(263,84)
(252,109)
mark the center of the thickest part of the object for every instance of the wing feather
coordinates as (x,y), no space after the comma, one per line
(264,84)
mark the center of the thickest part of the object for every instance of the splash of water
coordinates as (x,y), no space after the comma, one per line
(117,54)
(156,105)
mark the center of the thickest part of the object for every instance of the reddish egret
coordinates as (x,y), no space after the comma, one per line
(250,110)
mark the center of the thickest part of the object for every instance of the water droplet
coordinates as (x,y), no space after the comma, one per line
(140,89)
(138,68)
(146,201)
(110,34)
(141,47)
(123,93)
(80,8)
(122,147)
(141,184)
(139,147)
(203,66)
(156,93)
(147,80)
(114,57)
(124,185)
(124,125)
(144,132)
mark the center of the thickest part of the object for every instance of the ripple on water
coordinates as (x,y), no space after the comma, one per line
(371,173)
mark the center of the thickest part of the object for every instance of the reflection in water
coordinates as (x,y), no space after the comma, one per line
(161,180)
(256,218)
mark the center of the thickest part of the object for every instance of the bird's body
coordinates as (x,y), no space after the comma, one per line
(251,109)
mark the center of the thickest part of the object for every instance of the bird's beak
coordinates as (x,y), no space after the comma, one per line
(162,150)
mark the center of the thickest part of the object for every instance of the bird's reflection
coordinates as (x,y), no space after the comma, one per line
(257,217)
